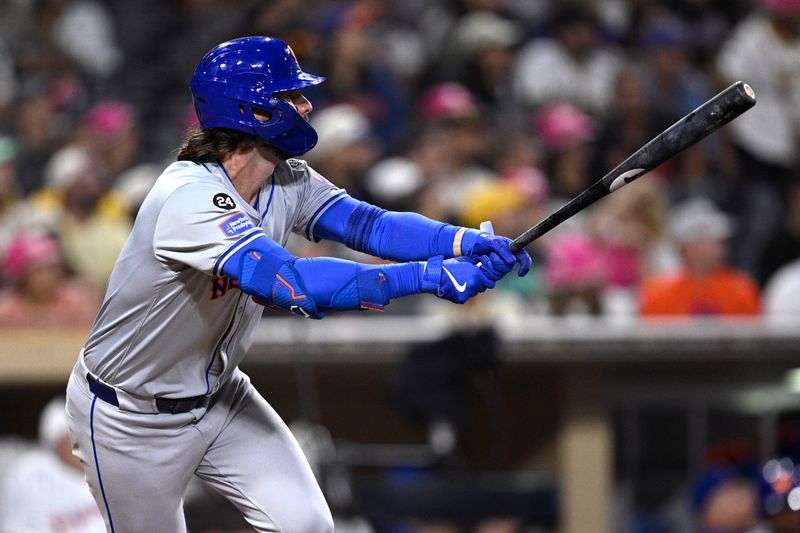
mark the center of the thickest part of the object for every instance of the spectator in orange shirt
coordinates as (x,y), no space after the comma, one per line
(705,285)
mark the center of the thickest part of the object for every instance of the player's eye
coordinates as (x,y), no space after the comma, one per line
(289,96)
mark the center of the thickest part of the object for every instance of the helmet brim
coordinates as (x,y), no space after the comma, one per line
(301,81)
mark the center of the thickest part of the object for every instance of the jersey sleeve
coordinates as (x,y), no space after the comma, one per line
(315,195)
(200,226)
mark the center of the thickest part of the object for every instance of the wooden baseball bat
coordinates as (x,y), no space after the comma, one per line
(695,126)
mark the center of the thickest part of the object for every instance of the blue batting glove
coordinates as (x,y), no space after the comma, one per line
(494,267)
(476,243)
(456,280)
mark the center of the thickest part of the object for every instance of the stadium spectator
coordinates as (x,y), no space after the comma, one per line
(630,122)
(38,133)
(782,293)
(347,147)
(45,490)
(575,273)
(109,129)
(764,49)
(704,285)
(567,133)
(394,183)
(482,50)
(727,502)
(91,221)
(39,293)
(451,148)
(630,230)
(83,31)
(672,84)
(580,68)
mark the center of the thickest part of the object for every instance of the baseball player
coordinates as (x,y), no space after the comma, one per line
(156,395)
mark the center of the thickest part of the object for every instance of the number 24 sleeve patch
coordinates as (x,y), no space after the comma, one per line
(224,201)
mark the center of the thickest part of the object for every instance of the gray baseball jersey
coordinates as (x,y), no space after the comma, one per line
(172,325)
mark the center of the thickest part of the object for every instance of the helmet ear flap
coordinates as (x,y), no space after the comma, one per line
(265,116)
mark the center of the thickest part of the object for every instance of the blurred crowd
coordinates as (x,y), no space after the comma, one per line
(462,110)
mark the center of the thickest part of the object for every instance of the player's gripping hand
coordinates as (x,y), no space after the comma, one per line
(494,266)
(479,243)
(457,279)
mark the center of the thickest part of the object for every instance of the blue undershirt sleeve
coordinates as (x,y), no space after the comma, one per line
(389,235)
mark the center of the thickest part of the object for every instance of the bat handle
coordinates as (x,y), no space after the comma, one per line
(531,235)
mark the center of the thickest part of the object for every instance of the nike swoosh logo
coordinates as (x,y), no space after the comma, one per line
(459,287)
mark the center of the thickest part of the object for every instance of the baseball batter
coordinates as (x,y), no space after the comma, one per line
(156,395)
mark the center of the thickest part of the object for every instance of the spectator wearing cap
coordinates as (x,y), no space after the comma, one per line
(671,83)
(108,135)
(727,501)
(91,221)
(39,292)
(347,147)
(45,491)
(567,134)
(481,56)
(109,129)
(704,285)
(450,149)
(394,184)
(453,108)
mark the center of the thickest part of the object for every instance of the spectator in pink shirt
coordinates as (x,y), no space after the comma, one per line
(39,293)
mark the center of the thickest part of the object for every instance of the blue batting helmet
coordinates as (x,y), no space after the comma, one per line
(238,76)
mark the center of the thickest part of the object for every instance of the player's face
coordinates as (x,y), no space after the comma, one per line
(296,98)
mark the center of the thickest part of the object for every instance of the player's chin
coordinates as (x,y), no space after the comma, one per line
(275,151)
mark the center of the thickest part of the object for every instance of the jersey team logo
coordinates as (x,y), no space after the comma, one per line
(235,224)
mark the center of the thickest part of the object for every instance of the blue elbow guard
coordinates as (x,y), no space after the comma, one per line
(344,285)
(273,287)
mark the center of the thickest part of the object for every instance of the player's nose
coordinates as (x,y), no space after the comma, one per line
(304,106)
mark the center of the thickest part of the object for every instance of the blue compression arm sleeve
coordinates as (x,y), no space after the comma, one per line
(386,234)
(345,285)
(330,283)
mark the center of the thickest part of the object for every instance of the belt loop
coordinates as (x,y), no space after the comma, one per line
(102,391)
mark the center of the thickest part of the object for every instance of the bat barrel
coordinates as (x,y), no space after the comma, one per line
(709,117)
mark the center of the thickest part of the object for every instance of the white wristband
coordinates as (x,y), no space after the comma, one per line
(457,242)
